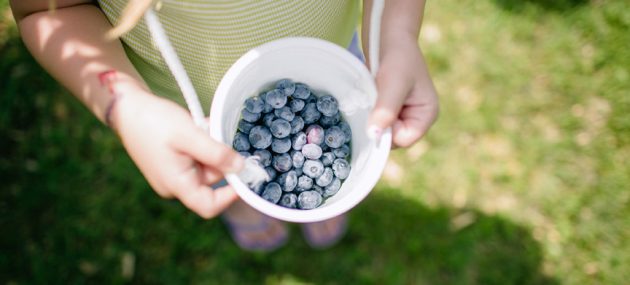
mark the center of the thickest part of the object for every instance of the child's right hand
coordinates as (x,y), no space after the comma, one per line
(176,157)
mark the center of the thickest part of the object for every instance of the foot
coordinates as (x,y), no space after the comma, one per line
(254,231)
(325,234)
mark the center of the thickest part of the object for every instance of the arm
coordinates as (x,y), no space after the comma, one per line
(176,158)
(407,99)
(73,53)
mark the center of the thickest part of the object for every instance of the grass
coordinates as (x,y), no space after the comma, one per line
(524,179)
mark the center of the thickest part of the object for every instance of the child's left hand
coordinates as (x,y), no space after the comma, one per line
(407,100)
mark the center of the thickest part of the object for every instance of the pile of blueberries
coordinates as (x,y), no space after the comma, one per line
(300,139)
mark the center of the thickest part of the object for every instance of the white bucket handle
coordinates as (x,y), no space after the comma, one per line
(185,85)
(375,34)
(190,96)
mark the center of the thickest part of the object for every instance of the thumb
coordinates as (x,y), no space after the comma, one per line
(208,151)
(391,95)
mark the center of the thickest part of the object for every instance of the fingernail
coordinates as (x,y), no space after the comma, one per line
(374,133)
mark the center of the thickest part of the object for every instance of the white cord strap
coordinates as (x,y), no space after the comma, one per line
(375,34)
(176,67)
(252,174)
(184,83)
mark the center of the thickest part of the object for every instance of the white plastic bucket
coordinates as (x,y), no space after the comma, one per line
(325,67)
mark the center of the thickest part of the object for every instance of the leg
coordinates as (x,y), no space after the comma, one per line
(325,234)
(252,230)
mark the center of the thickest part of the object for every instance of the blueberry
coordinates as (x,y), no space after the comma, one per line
(249,116)
(258,189)
(328,158)
(297,125)
(282,162)
(272,192)
(268,119)
(287,86)
(309,200)
(327,105)
(281,145)
(245,126)
(304,183)
(318,189)
(310,114)
(325,148)
(276,98)
(298,141)
(332,188)
(298,171)
(264,155)
(245,154)
(267,108)
(271,172)
(301,91)
(284,113)
(342,152)
(240,142)
(346,131)
(341,167)
(312,151)
(326,177)
(280,128)
(288,181)
(297,158)
(334,137)
(315,134)
(260,137)
(311,99)
(254,104)
(313,168)
(288,200)
(297,105)
(328,122)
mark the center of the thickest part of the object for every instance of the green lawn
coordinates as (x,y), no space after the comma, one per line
(524,179)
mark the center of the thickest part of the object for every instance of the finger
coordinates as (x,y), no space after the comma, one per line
(205,201)
(391,92)
(202,148)
(414,122)
(209,175)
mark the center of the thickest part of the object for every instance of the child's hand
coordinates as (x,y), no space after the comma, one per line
(407,99)
(176,157)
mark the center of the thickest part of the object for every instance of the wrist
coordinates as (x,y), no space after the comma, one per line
(405,49)
(122,91)
(399,40)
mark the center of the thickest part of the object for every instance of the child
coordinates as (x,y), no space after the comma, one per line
(126,84)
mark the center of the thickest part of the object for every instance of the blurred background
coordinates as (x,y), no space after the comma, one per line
(524,179)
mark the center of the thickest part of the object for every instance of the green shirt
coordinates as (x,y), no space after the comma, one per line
(210,35)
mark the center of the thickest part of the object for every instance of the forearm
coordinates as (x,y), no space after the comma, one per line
(400,24)
(69,44)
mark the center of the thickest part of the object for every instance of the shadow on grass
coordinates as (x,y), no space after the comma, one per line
(74,209)
(393,240)
(518,6)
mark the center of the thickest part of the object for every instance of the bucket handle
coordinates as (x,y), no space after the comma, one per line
(185,85)
(252,174)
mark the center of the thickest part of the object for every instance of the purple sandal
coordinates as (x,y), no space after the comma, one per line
(309,230)
(239,232)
